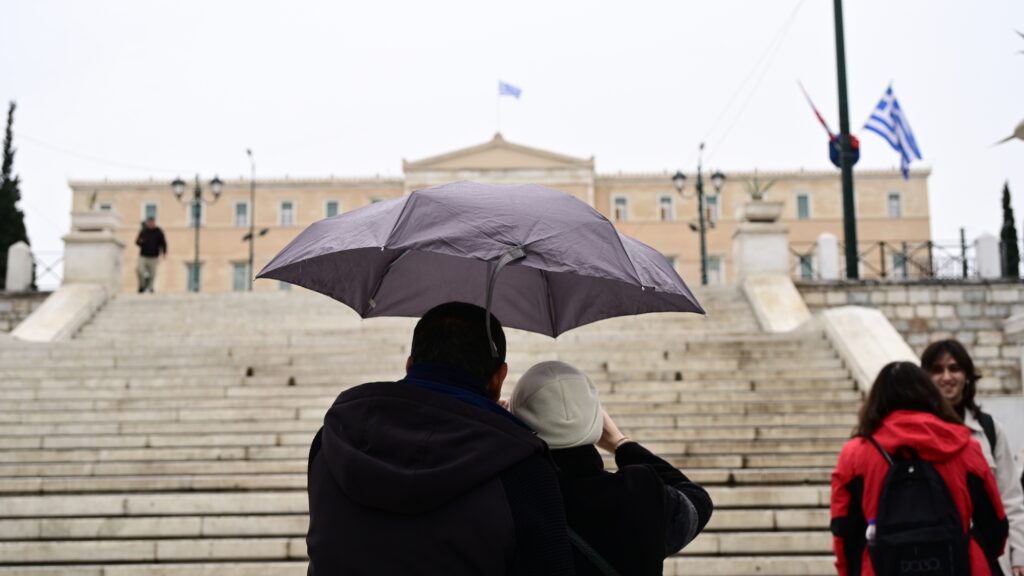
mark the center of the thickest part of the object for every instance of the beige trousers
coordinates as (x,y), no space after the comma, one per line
(146,271)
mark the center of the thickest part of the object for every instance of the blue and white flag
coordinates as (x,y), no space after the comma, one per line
(506,89)
(889,122)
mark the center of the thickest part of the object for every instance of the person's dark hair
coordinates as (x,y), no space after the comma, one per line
(453,334)
(901,386)
(938,349)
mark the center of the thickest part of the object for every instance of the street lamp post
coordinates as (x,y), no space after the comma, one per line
(216,187)
(717,180)
(252,212)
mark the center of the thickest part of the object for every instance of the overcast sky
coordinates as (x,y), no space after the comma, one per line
(133,90)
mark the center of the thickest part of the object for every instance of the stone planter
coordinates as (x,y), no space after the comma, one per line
(759,211)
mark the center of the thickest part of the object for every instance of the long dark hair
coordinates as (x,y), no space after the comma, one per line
(901,386)
(936,350)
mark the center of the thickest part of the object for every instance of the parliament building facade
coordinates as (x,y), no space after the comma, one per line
(645,206)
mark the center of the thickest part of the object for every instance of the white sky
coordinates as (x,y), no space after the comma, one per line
(132,90)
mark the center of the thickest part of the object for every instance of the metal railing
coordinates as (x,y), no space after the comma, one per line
(49,267)
(908,260)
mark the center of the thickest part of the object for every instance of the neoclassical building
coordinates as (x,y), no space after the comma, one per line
(646,206)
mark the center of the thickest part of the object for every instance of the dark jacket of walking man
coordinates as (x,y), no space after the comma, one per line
(429,475)
(152,245)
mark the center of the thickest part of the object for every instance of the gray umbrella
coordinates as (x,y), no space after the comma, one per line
(567,265)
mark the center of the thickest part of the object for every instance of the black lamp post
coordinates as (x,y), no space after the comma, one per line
(216,187)
(252,212)
(717,180)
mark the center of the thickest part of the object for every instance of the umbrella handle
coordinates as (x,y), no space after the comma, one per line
(511,255)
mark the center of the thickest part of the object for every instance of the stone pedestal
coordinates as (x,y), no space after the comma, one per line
(92,254)
(760,245)
(828,257)
(19,268)
(92,273)
(986,252)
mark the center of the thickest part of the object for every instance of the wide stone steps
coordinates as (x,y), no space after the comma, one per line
(187,456)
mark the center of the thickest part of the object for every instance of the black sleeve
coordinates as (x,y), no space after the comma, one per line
(535,501)
(687,506)
(852,528)
(163,242)
(986,527)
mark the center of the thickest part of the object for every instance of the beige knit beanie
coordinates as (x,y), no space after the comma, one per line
(560,403)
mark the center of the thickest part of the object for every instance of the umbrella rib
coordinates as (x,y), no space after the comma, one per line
(405,206)
(551,304)
(626,253)
(372,302)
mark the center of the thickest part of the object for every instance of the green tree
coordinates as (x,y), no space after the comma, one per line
(12,220)
(1008,235)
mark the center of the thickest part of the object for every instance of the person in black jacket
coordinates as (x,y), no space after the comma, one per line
(428,475)
(152,245)
(634,518)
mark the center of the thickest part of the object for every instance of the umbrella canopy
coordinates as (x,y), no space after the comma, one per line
(568,266)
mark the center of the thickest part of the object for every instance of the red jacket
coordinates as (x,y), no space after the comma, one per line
(861,470)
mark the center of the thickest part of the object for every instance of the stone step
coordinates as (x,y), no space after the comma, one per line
(746,565)
(296,480)
(278,548)
(225,568)
(170,550)
(295,502)
(84,528)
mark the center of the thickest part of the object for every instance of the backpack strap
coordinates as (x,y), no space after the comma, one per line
(885,454)
(595,558)
(989,426)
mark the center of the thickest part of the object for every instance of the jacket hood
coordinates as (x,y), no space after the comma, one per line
(934,439)
(398,447)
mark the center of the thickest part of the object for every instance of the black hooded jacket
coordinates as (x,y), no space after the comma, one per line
(408,479)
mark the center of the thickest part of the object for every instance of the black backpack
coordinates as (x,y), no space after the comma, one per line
(918,531)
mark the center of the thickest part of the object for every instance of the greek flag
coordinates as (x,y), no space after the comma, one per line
(889,122)
(506,89)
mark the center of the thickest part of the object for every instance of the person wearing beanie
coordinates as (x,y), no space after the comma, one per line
(630,520)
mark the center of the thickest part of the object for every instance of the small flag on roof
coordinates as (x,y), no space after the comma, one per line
(506,89)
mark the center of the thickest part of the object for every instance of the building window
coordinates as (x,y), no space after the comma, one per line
(899,265)
(149,210)
(803,206)
(331,208)
(106,207)
(806,267)
(620,209)
(895,205)
(284,286)
(240,276)
(716,272)
(711,209)
(287,213)
(241,214)
(190,214)
(666,208)
(195,277)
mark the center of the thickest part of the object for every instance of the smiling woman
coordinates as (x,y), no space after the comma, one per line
(952,371)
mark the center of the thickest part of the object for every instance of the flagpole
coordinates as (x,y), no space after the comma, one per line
(845,152)
(497,108)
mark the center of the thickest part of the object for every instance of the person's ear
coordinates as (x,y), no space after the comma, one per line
(497,379)
(408,363)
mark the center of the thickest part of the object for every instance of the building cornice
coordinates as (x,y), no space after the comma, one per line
(915,174)
(497,142)
(264,183)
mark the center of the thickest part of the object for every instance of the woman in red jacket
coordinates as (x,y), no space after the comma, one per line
(905,410)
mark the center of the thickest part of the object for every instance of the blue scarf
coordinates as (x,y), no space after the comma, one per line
(458,384)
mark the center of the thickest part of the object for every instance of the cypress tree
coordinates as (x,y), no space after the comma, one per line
(12,220)
(1008,235)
